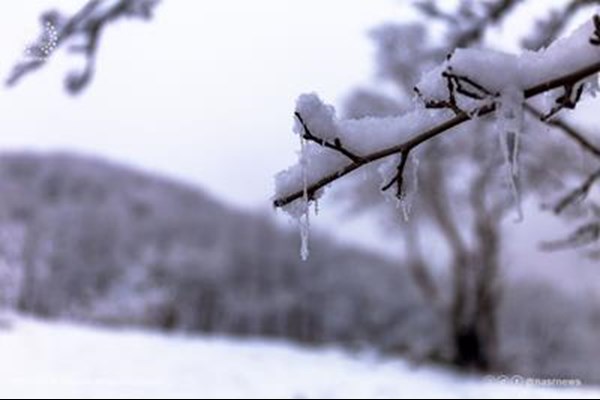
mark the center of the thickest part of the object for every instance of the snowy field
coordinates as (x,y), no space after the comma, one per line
(65,361)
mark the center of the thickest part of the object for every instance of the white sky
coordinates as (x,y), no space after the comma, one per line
(204,93)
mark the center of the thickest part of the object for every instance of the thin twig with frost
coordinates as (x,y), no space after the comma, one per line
(335,145)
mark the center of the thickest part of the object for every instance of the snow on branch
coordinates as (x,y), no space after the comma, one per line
(82,31)
(470,84)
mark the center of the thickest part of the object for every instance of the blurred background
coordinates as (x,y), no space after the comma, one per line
(139,196)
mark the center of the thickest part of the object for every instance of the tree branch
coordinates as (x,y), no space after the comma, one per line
(87,24)
(585,235)
(398,179)
(550,28)
(477,27)
(578,194)
(562,81)
(568,130)
(584,189)
(336,145)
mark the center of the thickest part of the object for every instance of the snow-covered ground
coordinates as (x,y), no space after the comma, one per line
(52,360)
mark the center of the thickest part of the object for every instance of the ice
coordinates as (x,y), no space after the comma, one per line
(304,223)
(360,136)
(304,218)
(509,124)
(490,77)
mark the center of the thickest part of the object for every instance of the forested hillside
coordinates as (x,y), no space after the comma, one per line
(83,239)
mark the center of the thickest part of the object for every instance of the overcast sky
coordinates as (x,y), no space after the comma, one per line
(204,93)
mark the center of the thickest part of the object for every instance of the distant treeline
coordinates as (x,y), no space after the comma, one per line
(87,240)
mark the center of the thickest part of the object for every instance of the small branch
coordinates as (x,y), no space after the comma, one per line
(583,190)
(550,27)
(87,26)
(568,130)
(569,100)
(562,81)
(476,27)
(468,87)
(336,145)
(450,103)
(456,84)
(398,179)
(584,236)
(578,194)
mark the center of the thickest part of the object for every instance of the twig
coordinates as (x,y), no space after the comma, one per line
(567,129)
(585,235)
(550,27)
(583,190)
(456,84)
(562,81)
(476,27)
(336,145)
(569,100)
(398,179)
(577,194)
(87,24)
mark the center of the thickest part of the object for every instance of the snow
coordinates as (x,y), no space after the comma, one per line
(58,360)
(494,78)
(498,71)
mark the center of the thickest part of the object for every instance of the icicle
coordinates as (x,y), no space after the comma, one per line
(592,85)
(304,218)
(304,222)
(510,127)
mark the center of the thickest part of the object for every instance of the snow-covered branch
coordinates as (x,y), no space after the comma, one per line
(469,85)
